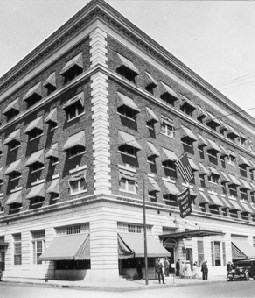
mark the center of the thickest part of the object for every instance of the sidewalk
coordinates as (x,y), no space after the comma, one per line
(118,285)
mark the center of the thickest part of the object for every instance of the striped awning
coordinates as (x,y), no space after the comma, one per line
(224,177)
(53,152)
(37,89)
(226,202)
(77,139)
(153,186)
(52,117)
(68,247)
(246,207)
(35,124)
(169,155)
(186,132)
(36,157)
(151,116)
(36,191)
(169,90)
(77,98)
(215,200)
(203,199)
(171,188)
(213,171)
(231,131)
(235,205)
(51,80)
(54,187)
(123,61)
(127,139)
(237,254)
(213,145)
(15,135)
(152,150)
(127,101)
(233,180)
(244,246)
(14,167)
(14,105)
(15,197)
(75,62)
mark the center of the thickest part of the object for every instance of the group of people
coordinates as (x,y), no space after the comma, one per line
(184,269)
(162,268)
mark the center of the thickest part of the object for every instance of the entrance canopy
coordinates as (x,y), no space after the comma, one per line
(134,246)
(243,248)
(190,234)
(68,247)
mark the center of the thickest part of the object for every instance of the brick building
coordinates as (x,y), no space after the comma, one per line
(93,121)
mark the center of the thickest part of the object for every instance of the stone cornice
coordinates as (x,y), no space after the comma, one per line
(99,9)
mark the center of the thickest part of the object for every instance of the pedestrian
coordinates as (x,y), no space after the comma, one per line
(181,270)
(204,270)
(177,267)
(195,270)
(166,266)
(159,270)
(188,271)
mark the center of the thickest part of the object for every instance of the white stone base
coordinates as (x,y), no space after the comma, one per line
(102,275)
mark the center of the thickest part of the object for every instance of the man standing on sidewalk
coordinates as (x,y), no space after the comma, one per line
(204,270)
(159,271)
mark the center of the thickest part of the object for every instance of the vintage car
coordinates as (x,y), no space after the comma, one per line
(244,269)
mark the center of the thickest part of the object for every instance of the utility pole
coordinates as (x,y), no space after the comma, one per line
(145,238)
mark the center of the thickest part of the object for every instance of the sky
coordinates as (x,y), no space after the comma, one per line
(213,38)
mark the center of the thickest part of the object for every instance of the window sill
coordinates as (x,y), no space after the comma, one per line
(69,120)
(124,116)
(15,148)
(54,128)
(16,178)
(78,154)
(130,155)
(37,170)
(78,192)
(171,137)
(129,192)
(37,137)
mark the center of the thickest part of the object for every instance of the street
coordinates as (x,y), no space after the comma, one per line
(217,289)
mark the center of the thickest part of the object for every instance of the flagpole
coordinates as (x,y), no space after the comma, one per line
(145,239)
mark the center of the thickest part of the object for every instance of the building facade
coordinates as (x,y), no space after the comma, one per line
(93,122)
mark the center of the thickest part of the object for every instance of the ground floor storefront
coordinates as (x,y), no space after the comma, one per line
(105,240)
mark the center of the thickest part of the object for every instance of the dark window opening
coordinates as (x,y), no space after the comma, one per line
(170,200)
(127,112)
(54,197)
(14,175)
(233,213)
(188,144)
(74,151)
(14,144)
(170,169)
(11,114)
(201,151)
(223,161)
(243,170)
(244,194)
(152,163)
(214,209)
(33,99)
(74,110)
(223,187)
(202,180)
(244,215)
(34,133)
(168,98)
(251,174)
(36,202)
(72,73)
(150,87)
(50,89)
(153,196)
(15,208)
(202,207)
(212,156)
(37,166)
(187,109)
(72,264)
(127,73)
(232,190)
(212,125)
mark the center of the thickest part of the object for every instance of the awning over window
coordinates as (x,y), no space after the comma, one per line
(215,200)
(152,150)
(35,124)
(212,118)
(246,207)
(224,151)
(15,197)
(1,146)
(245,184)
(171,188)
(237,254)
(15,135)
(53,152)
(52,117)
(51,80)
(127,63)
(225,201)
(214,171)
(201,112)
(222,126)
(77,139)
(127,139)
(233,180)
(36,157)
(14,105)
(232,153)
(243,245)
(243,161)
(14,167)
(124,252)
(151,79)
(1,174)
(203,199)
(135,243)
(78,176)
(127,101)
(153,186)
(36,191)
(191,233)
(69,247)
(169,90)
(203,169)
(231,131)
(151,116)
(128,175)
(193,165)
(76,98)
(75,62)
(37,89)
(252,165)
(169,155)
(54,188)
(187,101)
(201,140)
(186,132)
(213,145)
(224,177)
(235,205)
(167,121)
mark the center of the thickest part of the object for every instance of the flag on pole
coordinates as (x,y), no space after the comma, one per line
(184,168)
(184,202)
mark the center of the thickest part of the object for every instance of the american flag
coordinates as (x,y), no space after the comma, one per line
(184,168)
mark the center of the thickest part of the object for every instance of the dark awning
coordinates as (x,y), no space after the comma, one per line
(68,247)
(76,61)
(151,116)
(15,197)
(127,63)
(52,117)
(127,101)
(135,243)
(243,245)
(77,139)
(129,140)
(14,105)
(192,233)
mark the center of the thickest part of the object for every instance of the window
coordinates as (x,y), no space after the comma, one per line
(74,110)
(153,196)
(244,194)
(212,125)
(222,131)
(251,174)
(170,200)
(11,114)
(36,202)
(17,249)
(216,253)
(168,96)
(231,160)
(35,133)
(38,242)
(223,161)
(152,163)
(14,175)
(223,187)
(128,185)
(252,196)
(213,178)
(133,228)
(233,213)
(14,144)
(73,229)
(212,156)
(150,87)
(187,144)
(232,190)
(128,150)
(72,69)
(75,151)
(243,170)
(187,109)
(167,129)
(244,215)
(200,249)
(201,151)
(35,167)
(78,186)
(126,68)
(214,209)
(170,168)
(202,180)
(54,197)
